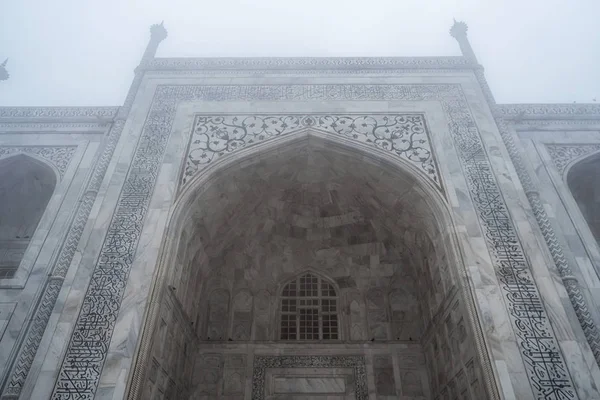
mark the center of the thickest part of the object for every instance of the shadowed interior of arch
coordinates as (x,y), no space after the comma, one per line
(26,186)
(275,254)
(584,182)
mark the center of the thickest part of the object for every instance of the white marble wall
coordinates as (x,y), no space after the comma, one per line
(503,371)
(67,142)
(552,146)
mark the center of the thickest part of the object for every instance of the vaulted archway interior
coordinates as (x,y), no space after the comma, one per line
(26,186)
(584,182)
(312,269)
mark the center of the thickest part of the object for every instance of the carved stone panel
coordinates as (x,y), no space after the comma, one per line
(208,374)
(262,312)
(218,315)
(404,135)
(241,328)
(305,382)
(563,154)
(234,377)
(377,314)
(384,376)
(411,383)
(357,317)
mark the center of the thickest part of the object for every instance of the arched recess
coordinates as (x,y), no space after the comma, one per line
(351,213)
(26,186)
(583,179)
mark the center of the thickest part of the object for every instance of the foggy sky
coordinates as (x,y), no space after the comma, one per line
(83,52)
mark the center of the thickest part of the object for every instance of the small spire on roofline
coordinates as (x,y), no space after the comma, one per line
(4,75)
(459,32)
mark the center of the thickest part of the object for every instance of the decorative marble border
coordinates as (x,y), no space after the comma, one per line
(531,124)
(316,63)
(50,127)
(59,156)
(563,153)
(262,363)
(87,350)
(548,110)
(404,135)
(306,72)
(58,112)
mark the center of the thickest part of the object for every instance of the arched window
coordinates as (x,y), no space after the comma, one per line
(309,309)
(584,182)
(26,186)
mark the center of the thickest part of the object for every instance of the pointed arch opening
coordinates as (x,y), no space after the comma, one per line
(26,186)
(273,225)
(583,180)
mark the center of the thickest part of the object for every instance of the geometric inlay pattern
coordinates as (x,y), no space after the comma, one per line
(59,156)
(563,153)
(404,135)
(357,363)
(88,347)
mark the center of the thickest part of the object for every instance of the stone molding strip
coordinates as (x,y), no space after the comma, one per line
(308,63)
(543,111)
(37,114)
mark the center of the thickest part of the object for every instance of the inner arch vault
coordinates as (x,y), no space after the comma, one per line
(378,235)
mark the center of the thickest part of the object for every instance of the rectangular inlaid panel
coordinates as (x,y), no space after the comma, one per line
(336,377)
(309,384)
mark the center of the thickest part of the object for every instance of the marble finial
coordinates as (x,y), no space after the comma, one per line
(459,32)
(4,75)
(459,29)
(158,32)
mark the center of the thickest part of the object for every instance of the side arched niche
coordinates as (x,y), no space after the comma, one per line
(26,185)
(372,228)
(583,179)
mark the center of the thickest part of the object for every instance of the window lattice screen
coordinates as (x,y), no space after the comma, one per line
(309,310)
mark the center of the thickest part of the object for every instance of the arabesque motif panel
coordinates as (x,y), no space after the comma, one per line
(404,135)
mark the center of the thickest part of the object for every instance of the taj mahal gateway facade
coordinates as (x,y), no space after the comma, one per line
(301,228)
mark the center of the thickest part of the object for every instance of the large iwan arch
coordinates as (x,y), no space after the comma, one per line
(356,216)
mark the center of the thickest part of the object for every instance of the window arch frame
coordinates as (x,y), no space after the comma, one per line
(338,304)
(46,218)
(583,225)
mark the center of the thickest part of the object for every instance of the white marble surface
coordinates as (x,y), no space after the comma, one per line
(471,265)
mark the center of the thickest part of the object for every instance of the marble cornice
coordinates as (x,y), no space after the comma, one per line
(309,63)
(57,114)
(588,111)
